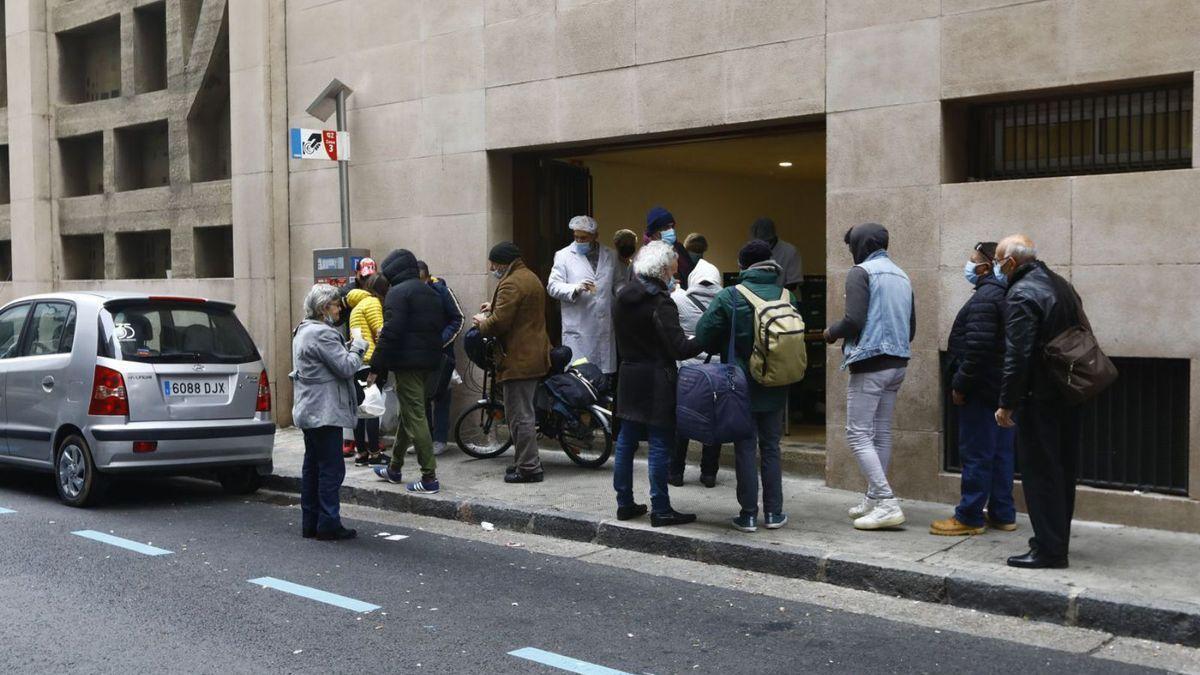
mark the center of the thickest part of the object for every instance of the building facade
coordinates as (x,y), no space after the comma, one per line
(147,149)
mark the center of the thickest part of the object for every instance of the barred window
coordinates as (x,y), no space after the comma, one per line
(1128,130)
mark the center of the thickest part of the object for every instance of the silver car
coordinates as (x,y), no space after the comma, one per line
(96,384)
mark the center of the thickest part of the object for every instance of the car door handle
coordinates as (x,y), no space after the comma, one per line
(47,383)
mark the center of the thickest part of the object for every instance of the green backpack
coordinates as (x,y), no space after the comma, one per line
(780,355)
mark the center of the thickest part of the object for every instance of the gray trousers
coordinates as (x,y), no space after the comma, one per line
(870,402)
(522,424)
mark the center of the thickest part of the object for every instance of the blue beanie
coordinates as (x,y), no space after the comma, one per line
(658,219)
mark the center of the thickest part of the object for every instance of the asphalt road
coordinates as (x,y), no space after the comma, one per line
(446,604)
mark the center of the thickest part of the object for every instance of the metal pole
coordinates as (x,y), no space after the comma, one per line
(343,173)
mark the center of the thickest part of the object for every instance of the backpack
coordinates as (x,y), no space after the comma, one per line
(780,354)
(569,392)
(712,401)
(1074,360)
(592,374)
(480,350)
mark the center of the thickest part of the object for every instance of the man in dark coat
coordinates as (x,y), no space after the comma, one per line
(650,342)
(986,448)
(660,226)
(410,347)
(1040,306)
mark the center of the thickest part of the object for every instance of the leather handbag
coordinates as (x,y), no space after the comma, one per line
(1075,362)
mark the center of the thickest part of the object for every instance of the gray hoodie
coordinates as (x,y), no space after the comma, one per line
(322,375)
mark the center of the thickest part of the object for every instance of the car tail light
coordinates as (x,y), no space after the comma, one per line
(109,396)
(145,446)
(264,394)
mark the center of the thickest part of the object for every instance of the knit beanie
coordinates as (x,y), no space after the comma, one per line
(753,252)
(504,253)
(658,219)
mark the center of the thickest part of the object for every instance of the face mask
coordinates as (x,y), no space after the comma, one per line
(625,251)
(583,248)
(997,270)
(499,274)
(969,272)
(668,236)
(695,257)
(671,285)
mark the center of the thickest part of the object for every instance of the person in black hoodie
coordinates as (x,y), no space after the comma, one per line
(986,448)
(1040,306)
(410,346)
(650,342)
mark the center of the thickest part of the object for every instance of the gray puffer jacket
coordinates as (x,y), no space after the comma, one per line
(322,376)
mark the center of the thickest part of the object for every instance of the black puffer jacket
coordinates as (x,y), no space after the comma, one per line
(649,341)
(413,318)
(1041,304)
(977,342)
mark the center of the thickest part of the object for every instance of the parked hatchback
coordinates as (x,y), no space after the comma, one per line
(98,384)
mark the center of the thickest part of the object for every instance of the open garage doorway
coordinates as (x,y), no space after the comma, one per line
(714,185)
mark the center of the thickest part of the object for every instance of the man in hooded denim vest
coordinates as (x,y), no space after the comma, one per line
(876,334)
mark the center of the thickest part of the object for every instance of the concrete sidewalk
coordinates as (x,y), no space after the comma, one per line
(1127,581)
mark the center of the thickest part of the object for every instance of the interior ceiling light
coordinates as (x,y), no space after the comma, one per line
(785,164)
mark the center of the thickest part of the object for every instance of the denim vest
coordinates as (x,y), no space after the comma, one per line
(889,312)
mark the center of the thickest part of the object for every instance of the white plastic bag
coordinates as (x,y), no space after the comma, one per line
(372,405)
(455,378)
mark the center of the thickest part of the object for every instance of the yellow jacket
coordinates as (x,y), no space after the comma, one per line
(366,314)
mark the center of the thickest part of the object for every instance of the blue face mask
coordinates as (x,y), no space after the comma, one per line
(583,248)
(996,267)
(969,272)
(668,236)
(671,285)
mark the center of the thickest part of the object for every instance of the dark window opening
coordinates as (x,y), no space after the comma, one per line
(1128,130)
(82,165)
(144,255)
(143,156)
(209,140)
(150,47)
(213,247)
(5,184)
(83,256)
(89,62)
(1134,436)
(6,260)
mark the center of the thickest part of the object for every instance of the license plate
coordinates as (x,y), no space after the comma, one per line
(192,388)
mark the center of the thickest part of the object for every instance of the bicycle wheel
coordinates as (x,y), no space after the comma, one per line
(482,432)
(588,443)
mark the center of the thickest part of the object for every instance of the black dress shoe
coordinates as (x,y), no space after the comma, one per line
(308,534)
(671,518)
(518,477)
(631,512)
(337,535)
(677,481)
(1037,561)
(708,481)
(511,469)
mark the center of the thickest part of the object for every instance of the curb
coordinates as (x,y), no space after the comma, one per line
(1118,614)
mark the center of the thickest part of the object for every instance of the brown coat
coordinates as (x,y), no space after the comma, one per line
(518,319)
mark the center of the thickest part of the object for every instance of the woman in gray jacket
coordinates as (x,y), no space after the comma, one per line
(324,404)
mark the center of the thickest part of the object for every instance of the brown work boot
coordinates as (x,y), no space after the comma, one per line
(951,527)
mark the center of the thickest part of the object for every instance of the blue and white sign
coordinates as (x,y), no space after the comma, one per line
(320,144)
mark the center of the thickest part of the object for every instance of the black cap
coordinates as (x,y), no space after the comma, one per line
(504,253)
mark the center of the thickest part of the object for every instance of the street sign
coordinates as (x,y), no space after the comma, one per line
(320,144)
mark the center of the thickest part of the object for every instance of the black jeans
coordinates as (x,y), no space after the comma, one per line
(1048,447)
(321,479)
(710,459)
(366,436)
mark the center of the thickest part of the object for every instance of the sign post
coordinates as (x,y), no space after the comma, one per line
(333,100)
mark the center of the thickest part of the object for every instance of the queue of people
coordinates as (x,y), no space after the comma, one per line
(640,314)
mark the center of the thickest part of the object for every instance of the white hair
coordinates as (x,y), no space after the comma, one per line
(654,260)
(318,298)
(583,224)
(1021,252)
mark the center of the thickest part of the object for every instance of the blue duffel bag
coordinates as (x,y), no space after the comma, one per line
(712,400)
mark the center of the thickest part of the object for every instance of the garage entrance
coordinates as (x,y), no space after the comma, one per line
(714,185)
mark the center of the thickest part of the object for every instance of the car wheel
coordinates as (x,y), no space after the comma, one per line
(79,483)
(240,481)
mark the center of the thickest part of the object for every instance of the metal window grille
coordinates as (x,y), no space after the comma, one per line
(1130,130)
(1134,436)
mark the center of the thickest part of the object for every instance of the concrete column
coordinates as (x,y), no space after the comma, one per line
(33,228)
(258,121)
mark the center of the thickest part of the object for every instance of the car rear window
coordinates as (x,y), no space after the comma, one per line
(167,332)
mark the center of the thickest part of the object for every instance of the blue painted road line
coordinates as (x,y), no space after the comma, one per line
(136,546)
(315,594)
(563,662)
(4,510)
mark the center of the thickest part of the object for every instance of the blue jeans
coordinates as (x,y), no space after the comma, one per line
(438,413)
(321,478)
(749,464)
(660,440)
(987,453)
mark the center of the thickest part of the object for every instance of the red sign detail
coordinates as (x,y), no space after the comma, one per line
(330,143)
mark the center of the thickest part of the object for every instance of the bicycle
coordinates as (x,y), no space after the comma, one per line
(482,430)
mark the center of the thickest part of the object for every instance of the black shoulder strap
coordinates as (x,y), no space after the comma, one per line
(696,301)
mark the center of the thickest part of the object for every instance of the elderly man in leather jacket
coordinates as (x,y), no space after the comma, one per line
(1040,305)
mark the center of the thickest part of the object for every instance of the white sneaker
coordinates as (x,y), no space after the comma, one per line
(412,450)
(886,514)
(440,448)
(864,507)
